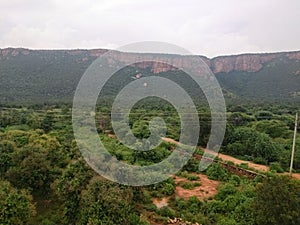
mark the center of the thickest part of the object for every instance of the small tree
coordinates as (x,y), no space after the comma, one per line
(216,172)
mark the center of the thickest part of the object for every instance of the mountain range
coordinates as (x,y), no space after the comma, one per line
(40,76)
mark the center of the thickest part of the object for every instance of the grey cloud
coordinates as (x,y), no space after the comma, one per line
(204,27)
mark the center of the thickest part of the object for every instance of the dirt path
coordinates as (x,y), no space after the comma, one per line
(252,165)
(224,157)
(170,140)
(294,175)
(258,167)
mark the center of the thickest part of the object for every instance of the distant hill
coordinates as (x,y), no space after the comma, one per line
(38,76)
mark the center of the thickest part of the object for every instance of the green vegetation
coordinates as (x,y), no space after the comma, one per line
(272,195)
(190,185)
(52,76)
(16,206)
(44,179)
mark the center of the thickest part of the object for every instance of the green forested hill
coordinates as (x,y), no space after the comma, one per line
(39,76)
(278,80)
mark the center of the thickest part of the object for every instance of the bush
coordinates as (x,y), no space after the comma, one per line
(277,201)
(166,211)
(168,189)
(225,190)
(151,207)
(181,204)
(189,176)
(227,221)
(190,185)
(244,166)
(275,166)
(194,204)
(260,160)
(235,180)
(192,177)
(216,172)
(47,222)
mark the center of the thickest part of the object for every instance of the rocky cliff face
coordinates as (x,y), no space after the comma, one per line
(247,62)
(221,64)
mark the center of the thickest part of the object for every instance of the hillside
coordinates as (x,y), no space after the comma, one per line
(38,76)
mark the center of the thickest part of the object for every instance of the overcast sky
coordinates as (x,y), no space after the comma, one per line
(210,27)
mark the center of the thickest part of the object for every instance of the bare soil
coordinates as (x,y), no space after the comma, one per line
(160,202)
(207,189)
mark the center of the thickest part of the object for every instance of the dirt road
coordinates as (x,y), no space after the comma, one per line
(258,167)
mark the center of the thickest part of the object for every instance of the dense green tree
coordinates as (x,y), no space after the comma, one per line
(104,202)
(31,170)
(278,201)
(274,128)
(247,141)
(239,119)
(6,151)
(16,207)
(69,186)
(47,122)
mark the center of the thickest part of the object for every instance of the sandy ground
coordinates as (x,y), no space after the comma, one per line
(252,165)
(160,202)
(207,189)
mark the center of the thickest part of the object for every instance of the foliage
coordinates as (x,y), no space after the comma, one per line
(216,172)
(246,141)
(38,155)
(16,206)
(167,212)
(275,166)
(190,185)
(278,201)
(105,203)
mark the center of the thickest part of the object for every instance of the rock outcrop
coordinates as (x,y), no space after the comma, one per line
(220,64)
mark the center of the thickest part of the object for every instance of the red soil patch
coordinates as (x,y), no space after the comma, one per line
(160,202)
(207,189)
(296,175)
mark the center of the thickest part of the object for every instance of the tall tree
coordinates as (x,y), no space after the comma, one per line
(278,201)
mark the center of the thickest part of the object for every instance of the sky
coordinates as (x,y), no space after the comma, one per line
(210,27)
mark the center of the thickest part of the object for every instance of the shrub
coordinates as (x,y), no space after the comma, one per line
(244,166)
(225,190)
(275,166)
(180,204)
(151,207)
(168,189)
(190,185)
(260,160)
(166,211)
(192,177)
(216,172)
(235,180)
